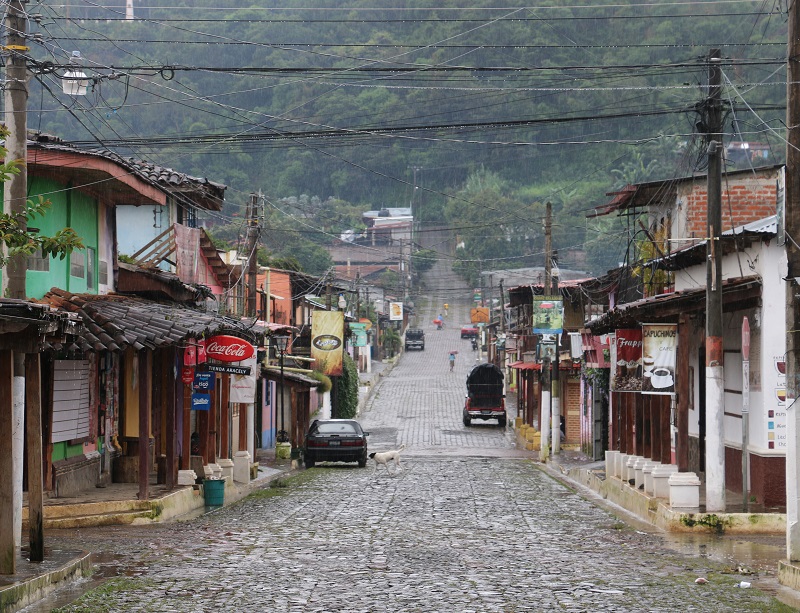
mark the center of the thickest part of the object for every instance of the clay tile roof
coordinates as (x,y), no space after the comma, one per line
(114,322)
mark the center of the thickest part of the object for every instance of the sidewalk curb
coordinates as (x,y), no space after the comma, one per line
(24,593)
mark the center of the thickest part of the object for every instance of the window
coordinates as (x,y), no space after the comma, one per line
(77,264)
(103,280)
(70,400)
(90,256)
(38,263)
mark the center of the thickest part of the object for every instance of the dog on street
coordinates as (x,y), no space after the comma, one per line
(382,458)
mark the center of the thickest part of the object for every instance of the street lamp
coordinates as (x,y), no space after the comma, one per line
(75,82)
(342,302)
(281,344)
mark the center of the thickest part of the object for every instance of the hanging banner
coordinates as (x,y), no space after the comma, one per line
(201,351)
(327,330)
(628,364)
(548,315)
(359,332)
(395,311)
(243,387)
(612,352)
(659,352)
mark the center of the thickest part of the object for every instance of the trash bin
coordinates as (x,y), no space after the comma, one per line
(214,492)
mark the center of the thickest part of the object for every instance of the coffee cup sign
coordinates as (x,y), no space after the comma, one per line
(659,344)
(228,348)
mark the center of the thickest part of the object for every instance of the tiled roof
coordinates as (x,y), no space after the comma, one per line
(207,193)
(114,322)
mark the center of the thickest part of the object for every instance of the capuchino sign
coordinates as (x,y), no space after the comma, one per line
(327,342)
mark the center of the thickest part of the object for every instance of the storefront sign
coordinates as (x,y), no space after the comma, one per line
(201,402)
(229,349)
(359,332)
(548,315)
(204,381)
(395,311)
(628,365)
(659,351)
(187,375)
(229,369)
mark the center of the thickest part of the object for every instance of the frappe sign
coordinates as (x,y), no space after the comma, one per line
(228,348)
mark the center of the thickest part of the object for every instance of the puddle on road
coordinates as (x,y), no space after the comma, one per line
(104,566)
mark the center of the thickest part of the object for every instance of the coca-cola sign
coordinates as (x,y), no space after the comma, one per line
(228,349)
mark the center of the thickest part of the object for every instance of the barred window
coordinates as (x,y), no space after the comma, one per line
(39,263)
(90,257)
(103,280)
(77,263)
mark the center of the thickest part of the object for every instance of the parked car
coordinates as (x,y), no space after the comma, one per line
(485,395)
(335,440)
(469,331)
(415,339)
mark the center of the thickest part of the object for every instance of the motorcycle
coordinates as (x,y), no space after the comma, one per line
(474,344)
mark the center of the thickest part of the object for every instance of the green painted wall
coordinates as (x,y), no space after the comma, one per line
(67,208)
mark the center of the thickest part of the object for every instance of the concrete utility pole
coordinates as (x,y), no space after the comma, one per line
(546,382)
(715,387)
(554,380)
(13,277)
(793,285)
(251,250)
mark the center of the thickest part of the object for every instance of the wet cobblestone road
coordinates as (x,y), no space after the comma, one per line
(468,525)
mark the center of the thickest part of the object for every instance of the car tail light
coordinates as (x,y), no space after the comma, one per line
(317,443)
(352,443)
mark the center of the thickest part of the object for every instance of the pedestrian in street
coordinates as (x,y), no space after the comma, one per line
(452,360)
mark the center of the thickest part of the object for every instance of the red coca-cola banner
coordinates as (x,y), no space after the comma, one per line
(228,349)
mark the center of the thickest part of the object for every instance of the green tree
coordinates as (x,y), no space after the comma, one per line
(347,390)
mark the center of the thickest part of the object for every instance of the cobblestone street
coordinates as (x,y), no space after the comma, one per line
(468,524)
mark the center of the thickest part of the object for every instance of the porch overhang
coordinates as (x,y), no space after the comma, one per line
(737,294)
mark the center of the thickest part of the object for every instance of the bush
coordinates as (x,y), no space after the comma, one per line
(347,392)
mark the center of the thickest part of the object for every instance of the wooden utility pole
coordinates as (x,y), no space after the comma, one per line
(546,381)
(715,386)
(251,250)
(793,285)
(555,396)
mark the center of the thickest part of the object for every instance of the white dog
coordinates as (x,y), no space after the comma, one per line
(384,457)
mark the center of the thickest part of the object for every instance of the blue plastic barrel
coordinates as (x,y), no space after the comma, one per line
(214,492)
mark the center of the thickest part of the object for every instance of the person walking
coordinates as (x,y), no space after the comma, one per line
(446,306)
(452,360)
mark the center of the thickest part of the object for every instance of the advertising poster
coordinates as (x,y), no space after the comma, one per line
(359,334)
(776,407)
(395,311)
(327,331)
(612,352)
(548,315)
(243,387)
(628,365)
(659,352)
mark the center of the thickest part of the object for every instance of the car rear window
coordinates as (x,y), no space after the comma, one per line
(343,428)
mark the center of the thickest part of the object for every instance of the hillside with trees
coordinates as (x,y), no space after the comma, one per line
(475,117)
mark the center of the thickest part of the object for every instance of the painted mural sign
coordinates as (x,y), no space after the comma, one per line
(659,351)
(395,311)
(628,365)
(359,334)
(327,331)
(776,407)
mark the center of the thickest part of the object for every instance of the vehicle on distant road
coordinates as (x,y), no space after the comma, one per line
(415,339)
(335,440)
(469,331)
(486,397)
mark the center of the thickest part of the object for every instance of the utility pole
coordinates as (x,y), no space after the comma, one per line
(546,380)
(253,231)
(793,285)
(555,397)
(715,392)
(13,283)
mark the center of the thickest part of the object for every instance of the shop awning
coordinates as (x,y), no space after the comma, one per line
(526,366)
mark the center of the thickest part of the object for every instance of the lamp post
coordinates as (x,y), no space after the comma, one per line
(281,344)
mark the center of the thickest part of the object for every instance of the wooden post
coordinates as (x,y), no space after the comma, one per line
(33,431)
(186,415)
(682,374)
(171,428)
(144,426)
(8,557)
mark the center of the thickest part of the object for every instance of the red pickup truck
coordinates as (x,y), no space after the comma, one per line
(486,397)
